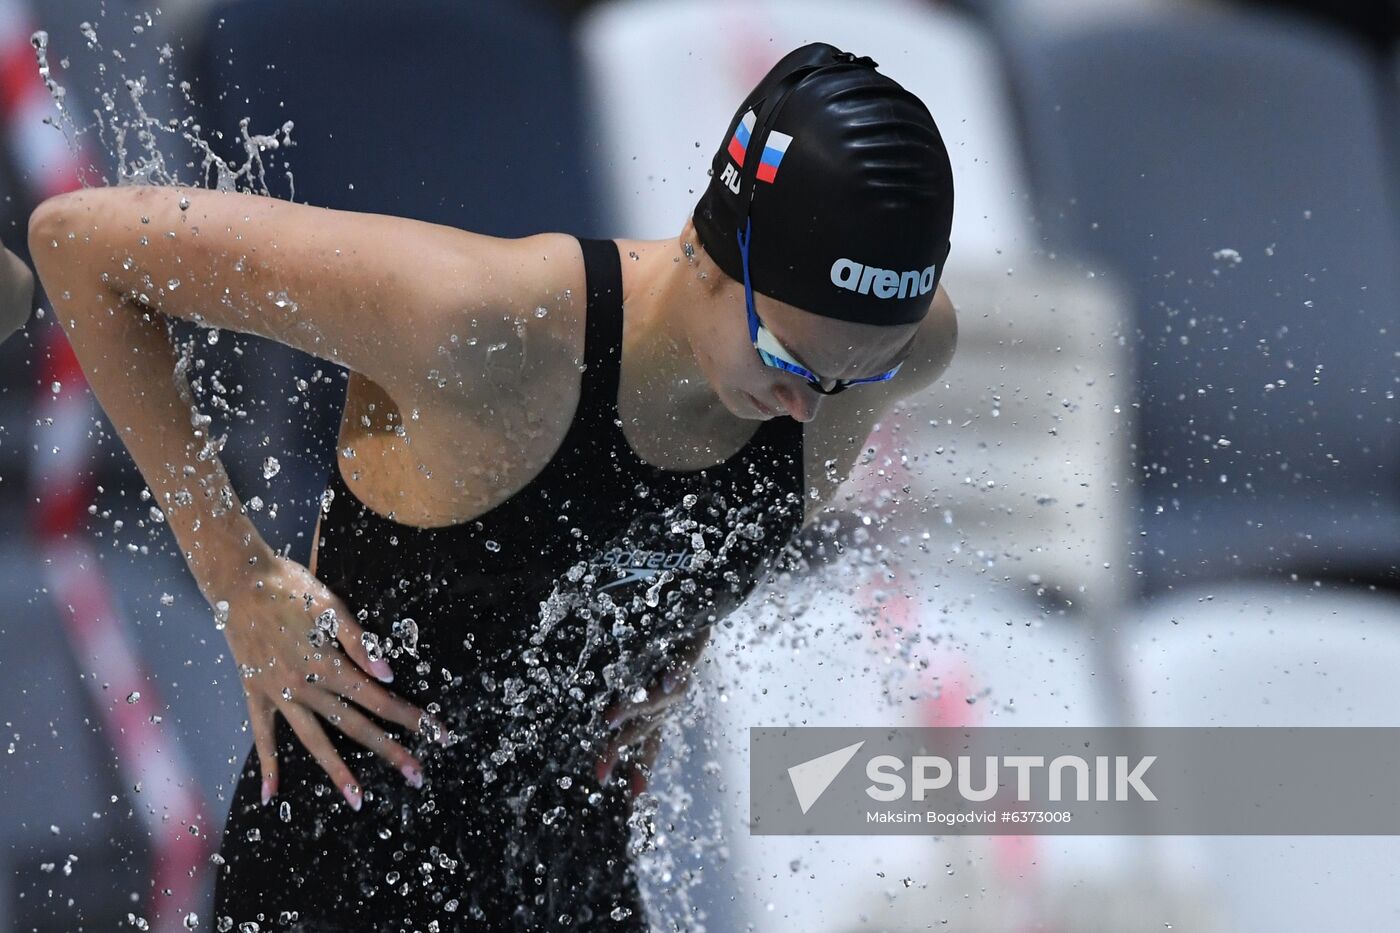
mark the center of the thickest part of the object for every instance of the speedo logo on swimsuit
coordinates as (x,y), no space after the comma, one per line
(642,565)
(882,283)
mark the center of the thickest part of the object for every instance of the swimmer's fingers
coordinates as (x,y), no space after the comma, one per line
(688,655)
(352,641)
(304,724)
(263,721)
(386,705)
(665,689)
(631,734)
(643,762)
(358,726)
(621,713)
(675,679)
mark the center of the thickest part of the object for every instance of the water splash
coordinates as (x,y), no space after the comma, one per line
(539,726)
(125,127)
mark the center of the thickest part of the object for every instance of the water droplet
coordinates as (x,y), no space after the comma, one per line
(372,647)
(406,631)
(328,621)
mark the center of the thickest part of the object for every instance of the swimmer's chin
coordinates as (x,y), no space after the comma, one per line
(750,410)
(737,403)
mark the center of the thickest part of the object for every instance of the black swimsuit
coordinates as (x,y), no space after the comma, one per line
(516,629)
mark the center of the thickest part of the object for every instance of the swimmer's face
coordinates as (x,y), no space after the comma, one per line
(832,349)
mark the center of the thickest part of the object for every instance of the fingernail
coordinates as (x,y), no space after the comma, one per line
(413,774)
(615,720)
(266,791)
(603,769)
(380,669)
(668,682)
(352,794)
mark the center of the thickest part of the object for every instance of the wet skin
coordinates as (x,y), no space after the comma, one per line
(464,352)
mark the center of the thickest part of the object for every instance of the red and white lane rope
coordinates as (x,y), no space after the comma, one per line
(902,607)
(170,801)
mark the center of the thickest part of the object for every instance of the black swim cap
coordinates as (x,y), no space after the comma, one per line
(846,187)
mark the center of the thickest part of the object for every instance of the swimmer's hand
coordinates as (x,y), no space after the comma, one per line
(302,654)
(638,723)
(16,293)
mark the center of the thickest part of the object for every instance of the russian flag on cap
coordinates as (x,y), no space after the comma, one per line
(739,142)
(773,149)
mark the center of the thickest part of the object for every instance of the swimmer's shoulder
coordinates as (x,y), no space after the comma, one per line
(513,359)
(551,298)
(518,329)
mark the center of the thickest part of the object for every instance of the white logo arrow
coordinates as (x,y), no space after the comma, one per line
(811,778)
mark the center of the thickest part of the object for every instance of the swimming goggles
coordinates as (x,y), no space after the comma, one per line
(772,352)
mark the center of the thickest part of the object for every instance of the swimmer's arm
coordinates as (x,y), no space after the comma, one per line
(838,434)
(381,295)
(16,293)
(130,365)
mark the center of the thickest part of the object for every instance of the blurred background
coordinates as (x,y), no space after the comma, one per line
(1158,485)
